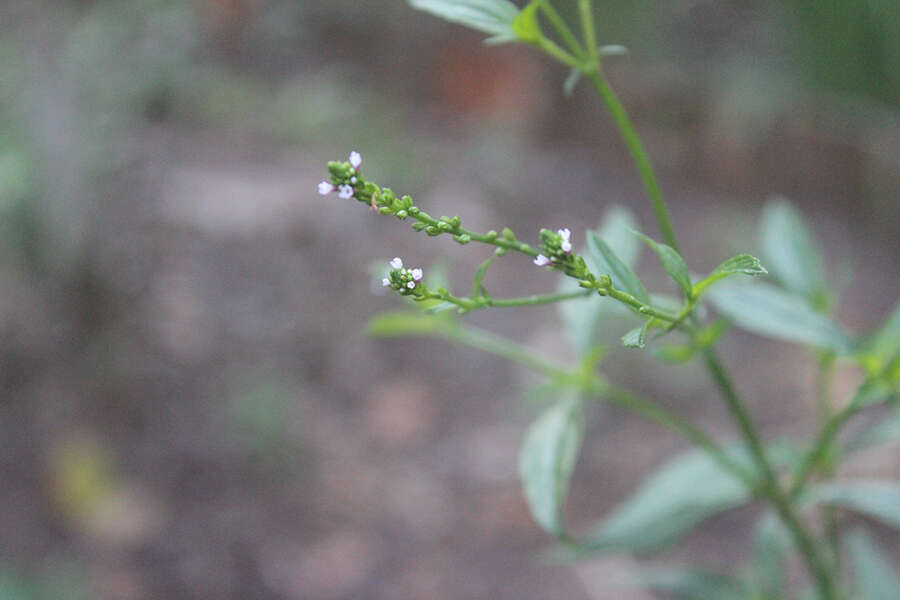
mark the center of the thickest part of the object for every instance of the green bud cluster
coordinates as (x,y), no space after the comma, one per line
(558,250)
(403,281)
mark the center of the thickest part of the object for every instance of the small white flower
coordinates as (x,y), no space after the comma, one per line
(325,188)
(386,282)
(541,260)
(397,263)
(355,159)
(411,284)
(345,191)
(566,243)
(417,274)
(353,180)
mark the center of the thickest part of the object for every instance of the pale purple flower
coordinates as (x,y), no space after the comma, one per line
(345,191)
(541,260)
(397,263)
(566,243)
(417,274)
(411,284)
(386,282)
(325,188)
(355,160)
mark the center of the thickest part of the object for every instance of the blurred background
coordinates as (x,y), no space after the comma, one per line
(189,407)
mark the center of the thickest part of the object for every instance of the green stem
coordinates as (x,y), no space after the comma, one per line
(562,29)
(822,446)
(771,488)
(638,154)
(504,348)
(536,300)
(824,381)
(586,9)
(685,429)
(644,309)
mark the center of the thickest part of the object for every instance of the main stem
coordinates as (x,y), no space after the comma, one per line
(771,488)
(638,154)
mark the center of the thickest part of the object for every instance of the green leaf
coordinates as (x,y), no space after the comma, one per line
(608,263)
(768,311)
(571,82)
(675,354)
(883,431)
(789,250)
(671,262)
(494,17)
(873,571)
(884,343)
(404,323)
(740,264)
(670,503)
(877,499)
(439,308)
(547,460)
(582,317)
(771,546)
(527,27)
(694,584)
(637,337)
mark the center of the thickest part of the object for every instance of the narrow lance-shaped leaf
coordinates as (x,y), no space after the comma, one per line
(884,343)
(877,499)
(582,317)
(694,584)
(608,263)
(874,575)
(741,264)
(404,323)
(789,251)
(547,460)
(884,431)
(670,503)
(768,311)
(671,262)
(771,546)
(526,26)
(494,17)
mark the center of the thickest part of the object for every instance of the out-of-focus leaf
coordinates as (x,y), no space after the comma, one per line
(670,503)
(494,17)
(404,323)
(608,263)
(637,337)
(740,264)
(874,574)
(547,459)
(883,344)
(877,499)
(671,262)
(768,311)
(582,317)
(675,354)
(612,50)
(771,546)
(571,82)
(526,26)
(789,250)
(694,584)
(884,431)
